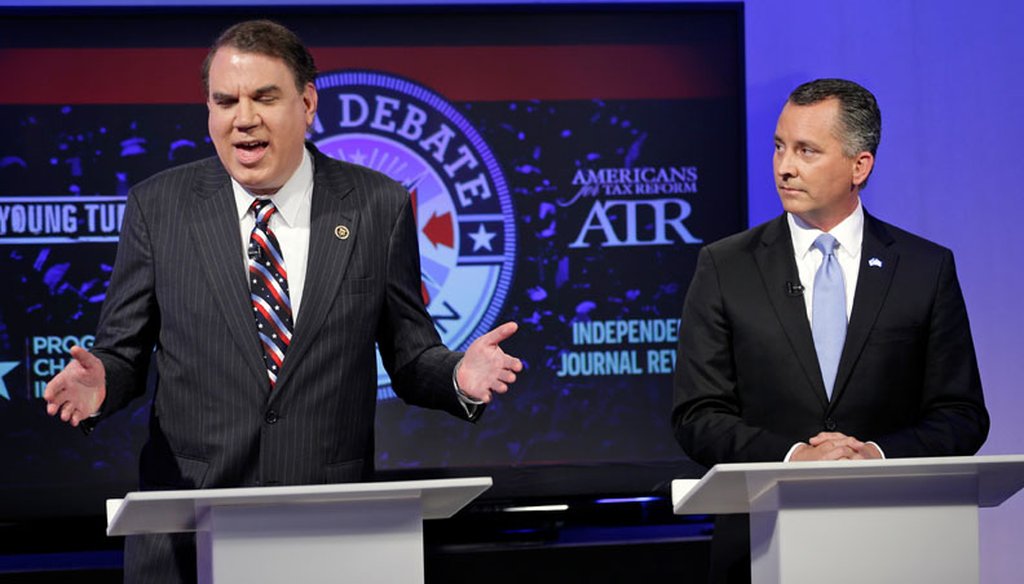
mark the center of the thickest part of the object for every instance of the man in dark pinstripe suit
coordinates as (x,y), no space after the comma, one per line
(348,237)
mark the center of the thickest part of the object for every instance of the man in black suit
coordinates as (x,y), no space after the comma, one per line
(754,381)
(228,411)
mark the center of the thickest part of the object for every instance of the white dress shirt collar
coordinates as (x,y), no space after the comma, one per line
(849,233)
(290,225)
(288,200)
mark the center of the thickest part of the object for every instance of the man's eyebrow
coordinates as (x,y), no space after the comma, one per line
(266,89)
(799,143)
(218,96)
(808,144)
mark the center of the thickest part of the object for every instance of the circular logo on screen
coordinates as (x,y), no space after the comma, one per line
(463,208)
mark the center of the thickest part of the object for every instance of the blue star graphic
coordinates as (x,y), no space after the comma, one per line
(5,368)
(482,239)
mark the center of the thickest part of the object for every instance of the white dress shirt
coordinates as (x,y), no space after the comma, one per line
(290,225)
(850,235)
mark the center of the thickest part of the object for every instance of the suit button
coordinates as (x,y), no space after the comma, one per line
(830,425)
(270,417)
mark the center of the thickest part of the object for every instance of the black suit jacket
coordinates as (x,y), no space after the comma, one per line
(748,386)
(179,285)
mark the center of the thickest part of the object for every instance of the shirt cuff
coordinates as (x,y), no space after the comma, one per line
(792,449)
(470,405)
(880,451)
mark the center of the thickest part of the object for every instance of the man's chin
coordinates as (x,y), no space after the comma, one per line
(255,183)
(261,190)
(791,206)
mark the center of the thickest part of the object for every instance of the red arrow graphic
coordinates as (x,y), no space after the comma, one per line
(439,230)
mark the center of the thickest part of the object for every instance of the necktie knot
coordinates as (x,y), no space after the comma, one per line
(262,209)
(826,244)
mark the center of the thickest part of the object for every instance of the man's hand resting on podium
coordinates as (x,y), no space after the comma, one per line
(77,392)
(834,446)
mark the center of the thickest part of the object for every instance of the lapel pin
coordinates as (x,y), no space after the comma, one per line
(342,232)
(875,263)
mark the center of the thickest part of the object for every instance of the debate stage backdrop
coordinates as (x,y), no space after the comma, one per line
(947,75)
(566,165)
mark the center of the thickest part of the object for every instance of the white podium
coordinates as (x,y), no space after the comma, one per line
(887,521)
(361,532)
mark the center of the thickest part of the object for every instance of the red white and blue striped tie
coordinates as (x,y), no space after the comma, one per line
(268,288)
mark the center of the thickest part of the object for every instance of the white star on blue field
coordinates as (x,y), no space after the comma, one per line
(482,239)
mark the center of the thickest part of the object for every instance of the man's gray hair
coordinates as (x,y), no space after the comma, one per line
(859,115)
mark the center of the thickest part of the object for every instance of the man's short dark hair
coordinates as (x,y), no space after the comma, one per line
(859,115)
(265,37)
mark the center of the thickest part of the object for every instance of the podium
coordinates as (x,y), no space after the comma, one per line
(884,521)
(361,532)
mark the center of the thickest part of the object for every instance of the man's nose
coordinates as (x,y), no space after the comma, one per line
(246,115)
(784,166)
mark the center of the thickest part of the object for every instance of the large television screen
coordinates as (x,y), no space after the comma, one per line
(567,162)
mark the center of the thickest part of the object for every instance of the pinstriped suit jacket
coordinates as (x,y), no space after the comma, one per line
(179,285)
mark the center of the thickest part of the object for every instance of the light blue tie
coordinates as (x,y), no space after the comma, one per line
(828,315)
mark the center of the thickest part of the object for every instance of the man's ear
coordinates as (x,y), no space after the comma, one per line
(309,101)
(863,162)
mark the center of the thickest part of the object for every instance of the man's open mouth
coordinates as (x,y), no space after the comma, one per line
(251,152)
